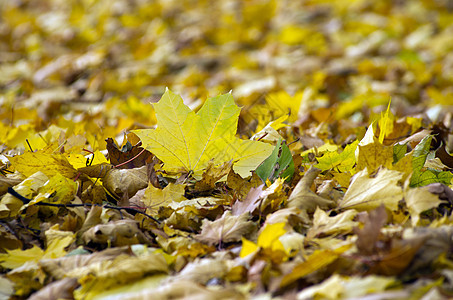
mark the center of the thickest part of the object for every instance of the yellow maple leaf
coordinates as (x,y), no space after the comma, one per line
(268,239)
(155,198)
(186,141)
(48,163)
(314,262)
(15,258)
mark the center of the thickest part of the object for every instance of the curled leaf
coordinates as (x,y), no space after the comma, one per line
(304,198)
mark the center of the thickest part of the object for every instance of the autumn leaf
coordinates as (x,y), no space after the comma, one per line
(374,155)
(10,205)
(211,175)
(343,162)
(267,239)
(155,198)
(43,161)
(319,259)
(16,258)
(133,155)
(419,200)
(385,124)
(186,141)
(366,192)
(323,224)
(327,177)
(226,229)
(305,199)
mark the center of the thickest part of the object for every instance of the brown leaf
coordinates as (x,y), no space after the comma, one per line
(211,175)
(128,153)
(443,191)
(122,181)
(368,236)
(186,289)
(202,270)
(118,233)
(398,258)
(250,203)
(226,229)
(60,289)
(60,267)
(240,186)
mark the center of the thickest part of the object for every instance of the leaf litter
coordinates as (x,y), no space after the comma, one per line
(304,153)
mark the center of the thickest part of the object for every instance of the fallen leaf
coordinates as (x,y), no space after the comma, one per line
(10,205)
(278,165)
(374,155)
(202,270)
(268,239)
(115,233)
(186,141)
(366,192)
(250,203)
(211,175)
(226,229)
(368,236)
(342,223)
(319,259)
(343,162)
(345,287)
(42,161)
(155,198)
(303,198)
(122,182)
(135,156)
(419,200)
(16,258)
(60,289)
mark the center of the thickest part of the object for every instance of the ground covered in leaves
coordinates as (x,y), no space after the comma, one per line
(301,150)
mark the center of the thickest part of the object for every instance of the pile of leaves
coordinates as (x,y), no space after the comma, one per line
(333,180)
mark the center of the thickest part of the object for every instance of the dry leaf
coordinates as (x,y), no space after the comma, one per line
(304,198)
(122,182)
(226,229)
(366,192)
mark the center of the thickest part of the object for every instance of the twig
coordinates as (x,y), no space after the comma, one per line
(29,146)
(26,201)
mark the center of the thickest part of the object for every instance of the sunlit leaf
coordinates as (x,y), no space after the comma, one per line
(186,141)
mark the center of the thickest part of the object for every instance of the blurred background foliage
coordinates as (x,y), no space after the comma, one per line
(101,62)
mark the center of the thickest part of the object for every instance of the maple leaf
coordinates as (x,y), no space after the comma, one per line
(186,141)
(343,161)
(44,161)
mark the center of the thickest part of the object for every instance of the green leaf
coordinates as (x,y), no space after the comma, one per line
(399,151)
(279,164)
(422,177)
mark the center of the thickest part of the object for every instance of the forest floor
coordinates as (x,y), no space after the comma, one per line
(226,149)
